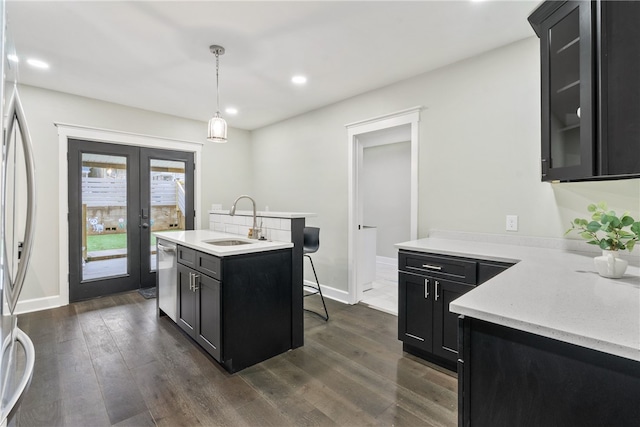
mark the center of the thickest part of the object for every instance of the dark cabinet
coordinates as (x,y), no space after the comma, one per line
(238,308)
(590,90)
(186,301)
(415,317)
(509,377)
(427,284)
(199,308)
(445,323)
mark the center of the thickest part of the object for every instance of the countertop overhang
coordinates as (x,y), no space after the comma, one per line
(195,239)
(550,292)
(266,214)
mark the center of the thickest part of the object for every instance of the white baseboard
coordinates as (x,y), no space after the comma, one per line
(331,293)
(387,260)
(37,304)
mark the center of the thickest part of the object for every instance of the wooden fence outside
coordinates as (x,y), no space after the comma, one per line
(113,192)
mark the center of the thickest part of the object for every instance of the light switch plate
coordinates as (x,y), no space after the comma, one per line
(512,222)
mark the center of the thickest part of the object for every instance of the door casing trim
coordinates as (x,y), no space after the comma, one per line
(410,116)
(66,131)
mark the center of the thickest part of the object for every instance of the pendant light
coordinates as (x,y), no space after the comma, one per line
(217,125)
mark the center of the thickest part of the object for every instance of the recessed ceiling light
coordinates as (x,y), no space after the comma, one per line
(13,58)
(37,63)
(299,80)
(231,110)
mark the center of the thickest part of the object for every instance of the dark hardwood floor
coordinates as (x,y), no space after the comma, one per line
(111,361)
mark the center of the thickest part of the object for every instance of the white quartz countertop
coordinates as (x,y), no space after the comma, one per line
(550,292)
(195,239)
(267,214)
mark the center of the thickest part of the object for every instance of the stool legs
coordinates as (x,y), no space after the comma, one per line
(318,290)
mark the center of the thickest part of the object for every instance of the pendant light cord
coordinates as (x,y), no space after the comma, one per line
(217,82)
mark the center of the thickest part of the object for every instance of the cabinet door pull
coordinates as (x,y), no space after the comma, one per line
(415,337)
(437,283)
(191,281)
(432,267)
(426,288)
(196,284)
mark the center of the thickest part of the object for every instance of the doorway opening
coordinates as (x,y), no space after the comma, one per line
(385,187)
(370,141)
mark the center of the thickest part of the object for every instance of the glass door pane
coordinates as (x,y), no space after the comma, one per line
(564,94)
(167,201)
(104,213)
(167,187)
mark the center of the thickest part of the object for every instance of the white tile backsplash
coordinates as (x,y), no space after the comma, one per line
(277,229)
(272,223)
(233,229)
(281,235)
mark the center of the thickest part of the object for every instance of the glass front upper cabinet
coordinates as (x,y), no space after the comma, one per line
(567,89)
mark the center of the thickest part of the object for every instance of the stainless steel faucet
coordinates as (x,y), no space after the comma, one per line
(232,212)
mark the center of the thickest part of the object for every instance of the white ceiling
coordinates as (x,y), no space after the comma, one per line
(155,54)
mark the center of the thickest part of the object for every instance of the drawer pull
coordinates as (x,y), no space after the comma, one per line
(432,267)
(414,337)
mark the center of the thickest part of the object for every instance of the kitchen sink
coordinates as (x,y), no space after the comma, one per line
(228,242)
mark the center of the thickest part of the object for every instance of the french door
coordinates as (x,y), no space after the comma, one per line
(118,196)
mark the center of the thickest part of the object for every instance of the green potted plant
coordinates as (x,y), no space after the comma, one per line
(612,233)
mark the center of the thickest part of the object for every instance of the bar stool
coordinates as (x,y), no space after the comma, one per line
(311,245)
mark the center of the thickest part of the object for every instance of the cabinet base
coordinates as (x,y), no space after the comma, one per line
(430,357)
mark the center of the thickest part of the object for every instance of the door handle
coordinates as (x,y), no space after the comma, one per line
(437,283)
(15,114)
(426,288)
(145,225)
(196,284)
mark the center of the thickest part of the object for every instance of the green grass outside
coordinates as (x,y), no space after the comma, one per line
(105,242)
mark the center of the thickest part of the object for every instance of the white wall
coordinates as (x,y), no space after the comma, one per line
(479,156)
(479,159)
(226,171)
(386,193)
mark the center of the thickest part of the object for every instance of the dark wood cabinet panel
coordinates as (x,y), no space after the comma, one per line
(415,316)
(246,316)
(444,267)
(567,89)
(590,89)
(425,325)
(516,378)
(199,308)
(208,315)
(209,265)
(186,301)
(445,323)
(186,256)
(620,90)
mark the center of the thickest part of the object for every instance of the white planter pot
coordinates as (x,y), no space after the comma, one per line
(610,265)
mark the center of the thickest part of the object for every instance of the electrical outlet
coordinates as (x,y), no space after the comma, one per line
(512,222)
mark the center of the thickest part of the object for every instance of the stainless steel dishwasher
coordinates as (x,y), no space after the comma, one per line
(167,278)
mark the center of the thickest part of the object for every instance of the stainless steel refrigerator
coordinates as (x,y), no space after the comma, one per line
(17,213)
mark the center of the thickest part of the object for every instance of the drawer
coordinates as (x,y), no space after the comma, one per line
(440,266)
(209,265)
(186,256)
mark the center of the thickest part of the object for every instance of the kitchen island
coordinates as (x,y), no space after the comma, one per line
(233,295)
(546,342)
